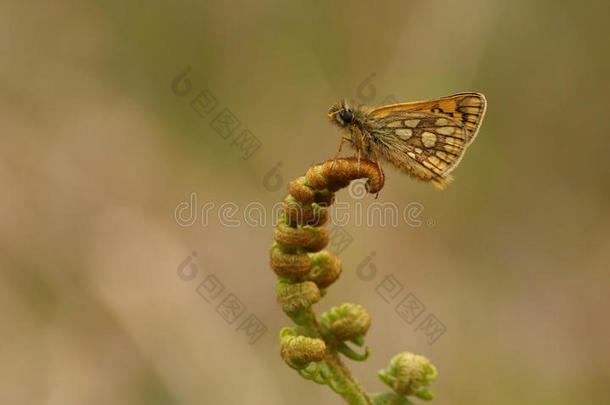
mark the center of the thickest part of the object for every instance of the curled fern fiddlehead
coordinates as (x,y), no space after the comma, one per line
(305,270)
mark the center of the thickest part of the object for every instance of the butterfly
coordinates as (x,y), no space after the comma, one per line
(425,139)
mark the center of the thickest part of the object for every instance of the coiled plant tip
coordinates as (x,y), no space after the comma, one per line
(315,346)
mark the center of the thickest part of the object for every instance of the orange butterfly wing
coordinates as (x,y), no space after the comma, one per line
(467,108)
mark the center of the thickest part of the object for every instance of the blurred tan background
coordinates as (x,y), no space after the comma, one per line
(97,151)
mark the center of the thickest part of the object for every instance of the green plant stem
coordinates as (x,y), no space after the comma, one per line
(350,389)
(396,399)
(348,386)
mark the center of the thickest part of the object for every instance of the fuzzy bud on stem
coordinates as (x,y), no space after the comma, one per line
(409,374)
(348,321)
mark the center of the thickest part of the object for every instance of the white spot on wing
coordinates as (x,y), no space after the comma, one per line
(428,139)
(404,133)
(445,130)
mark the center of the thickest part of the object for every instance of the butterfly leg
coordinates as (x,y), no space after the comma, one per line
(343,140)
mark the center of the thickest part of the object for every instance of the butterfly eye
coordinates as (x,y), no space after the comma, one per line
(347,116)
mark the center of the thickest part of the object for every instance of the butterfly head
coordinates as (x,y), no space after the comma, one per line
(341,114)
